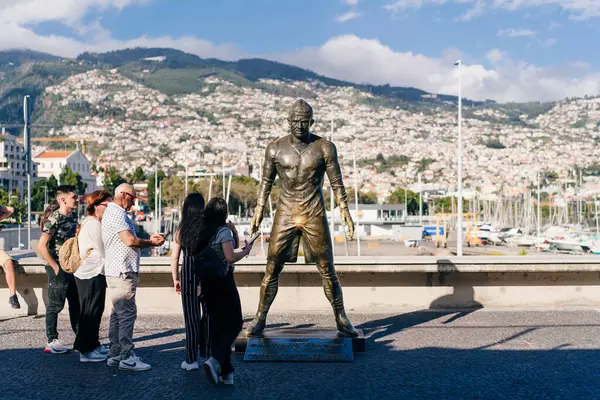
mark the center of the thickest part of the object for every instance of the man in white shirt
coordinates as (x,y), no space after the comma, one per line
(122,266)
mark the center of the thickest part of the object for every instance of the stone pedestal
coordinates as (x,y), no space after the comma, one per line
(305,344)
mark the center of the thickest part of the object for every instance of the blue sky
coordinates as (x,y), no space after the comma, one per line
(513,50)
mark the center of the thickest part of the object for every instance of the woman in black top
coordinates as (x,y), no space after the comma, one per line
(220,296)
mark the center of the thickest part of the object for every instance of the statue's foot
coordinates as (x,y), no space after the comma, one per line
(344,325)
(256,326)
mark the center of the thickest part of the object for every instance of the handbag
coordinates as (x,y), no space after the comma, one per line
(69,258)
(208,264)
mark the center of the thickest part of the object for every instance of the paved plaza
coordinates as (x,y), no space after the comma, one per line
(485,354)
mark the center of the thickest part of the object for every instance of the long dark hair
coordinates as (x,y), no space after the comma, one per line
(191,226)
(215,216)
(52,206)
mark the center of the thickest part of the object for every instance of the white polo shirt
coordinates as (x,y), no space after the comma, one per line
(118,258)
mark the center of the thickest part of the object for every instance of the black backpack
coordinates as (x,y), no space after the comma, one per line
(208,265)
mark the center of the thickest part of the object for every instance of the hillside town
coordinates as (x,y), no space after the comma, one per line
(226,126)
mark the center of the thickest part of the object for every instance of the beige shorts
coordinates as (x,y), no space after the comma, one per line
(4,257)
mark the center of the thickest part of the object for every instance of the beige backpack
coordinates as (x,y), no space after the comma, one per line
(68,255)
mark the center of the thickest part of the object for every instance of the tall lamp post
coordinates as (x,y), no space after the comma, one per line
(29,166)
(459,224)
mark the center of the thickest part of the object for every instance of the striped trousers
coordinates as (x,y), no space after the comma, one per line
(194,314)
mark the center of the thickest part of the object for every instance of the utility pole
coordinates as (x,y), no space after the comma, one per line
(357,230)
(27,142)
(459,224)
(420,201)
(156,198)
(331,215)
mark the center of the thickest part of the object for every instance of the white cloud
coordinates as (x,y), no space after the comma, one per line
(494,55)
(66,11)
(351,3)
(578,9)
(512,32)
(369,61)
(347,16)
(474,12)
(15,15)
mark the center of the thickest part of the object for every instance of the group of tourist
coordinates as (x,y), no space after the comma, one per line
(109,250)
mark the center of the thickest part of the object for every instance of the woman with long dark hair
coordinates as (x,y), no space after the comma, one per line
(187,238)
(220,295)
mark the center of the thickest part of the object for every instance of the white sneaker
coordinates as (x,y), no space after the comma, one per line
(92,357)
(113,361)
(134,363)
(190,367)
(213,370)
(227,379)
(56,347)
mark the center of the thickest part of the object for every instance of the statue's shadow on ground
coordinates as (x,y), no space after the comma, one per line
(457,305)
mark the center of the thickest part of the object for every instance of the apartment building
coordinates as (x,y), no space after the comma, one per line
(13,165)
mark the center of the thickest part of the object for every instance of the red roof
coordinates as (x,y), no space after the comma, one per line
(55,154)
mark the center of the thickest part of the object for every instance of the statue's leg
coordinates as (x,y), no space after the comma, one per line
(268,291)
(317,243)
(333,292)
(284,239)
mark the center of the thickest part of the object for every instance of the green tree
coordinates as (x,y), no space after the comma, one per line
(397,197)
(363,197)
(40,190)
(138,175)
(444,203)
(425,163)
(244,192)
(112,179)
(69,177)
(13,199)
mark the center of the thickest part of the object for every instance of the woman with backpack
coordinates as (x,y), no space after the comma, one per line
(90,279)
(220,294)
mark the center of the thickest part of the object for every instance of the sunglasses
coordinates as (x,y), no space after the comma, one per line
(131,195)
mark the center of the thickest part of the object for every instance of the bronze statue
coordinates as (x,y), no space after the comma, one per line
(301,160)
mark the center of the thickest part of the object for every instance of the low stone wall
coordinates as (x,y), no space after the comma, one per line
(371,285)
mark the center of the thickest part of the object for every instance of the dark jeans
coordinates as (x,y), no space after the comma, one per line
(224,318)
(92,295)
(61,287)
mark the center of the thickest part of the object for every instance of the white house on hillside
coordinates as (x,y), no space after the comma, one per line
(13,169)
(52,163)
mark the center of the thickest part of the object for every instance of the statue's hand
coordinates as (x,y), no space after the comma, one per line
(256,221)
(349,223)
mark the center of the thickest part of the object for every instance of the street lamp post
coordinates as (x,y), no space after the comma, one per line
(331,201)
(539,213)
(29,166)
(420,201)
(459,224)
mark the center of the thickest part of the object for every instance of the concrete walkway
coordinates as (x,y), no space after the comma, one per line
(426,355)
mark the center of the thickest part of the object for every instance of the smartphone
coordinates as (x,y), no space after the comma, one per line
(166,235)
(254,237)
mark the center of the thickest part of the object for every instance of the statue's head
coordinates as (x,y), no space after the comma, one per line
(300,119)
